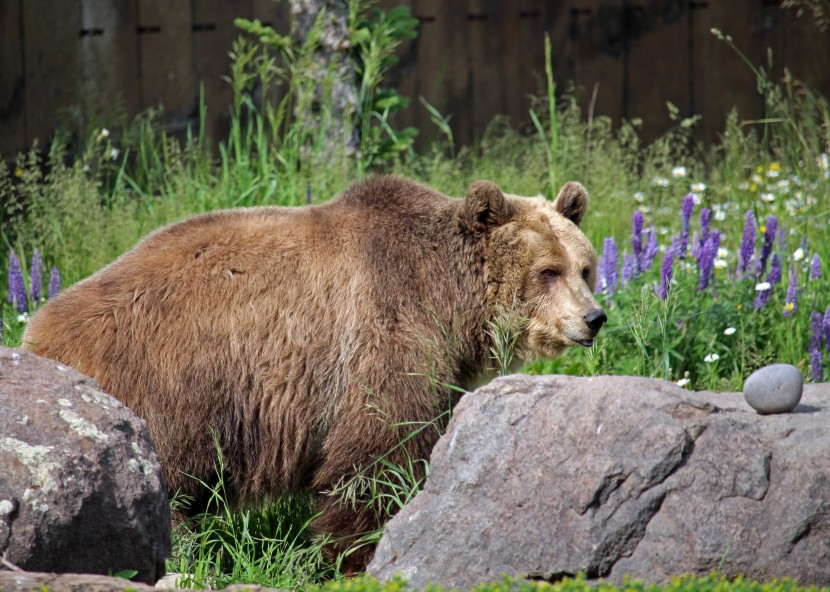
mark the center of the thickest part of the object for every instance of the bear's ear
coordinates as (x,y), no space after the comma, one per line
(484,207)
(572,201)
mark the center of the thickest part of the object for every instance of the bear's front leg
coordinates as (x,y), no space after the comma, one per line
(351,482)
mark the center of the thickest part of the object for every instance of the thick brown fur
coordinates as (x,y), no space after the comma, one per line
(305,337)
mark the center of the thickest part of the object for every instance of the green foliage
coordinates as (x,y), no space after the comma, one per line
(268,546)
(711,583)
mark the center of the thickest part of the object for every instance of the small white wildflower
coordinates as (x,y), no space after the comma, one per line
(720,216)
(639,197)
(757,179)
(711,358)
(697,187)
(105,133)
(768,197)
(783,185)
(683,382)
(799,254)
(22,318)
(762,287)
(823,161)
(114,153)
(678,172)
(719,263)
(644,209)
(729,331)
(660,181)
(697,199)
(743,185)
(723,252)
(773,173)
(85,168)
(662,230)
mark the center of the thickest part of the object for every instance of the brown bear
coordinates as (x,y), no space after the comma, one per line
(311,341)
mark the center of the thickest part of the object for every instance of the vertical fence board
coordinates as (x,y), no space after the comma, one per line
(798,46)
(487,49)
(404,75)
(596,54)
(720,79)
(109,50)
(655,75)
(443,65)
(12,85)
(213,36)
(52,58)
(165,42)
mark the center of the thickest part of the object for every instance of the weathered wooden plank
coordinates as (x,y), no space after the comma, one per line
(720,79)
(443,66)
(110,58)
(52,62)
(12,85)
(165,41)
(213,36)
(658,63)
(596,54)
(487,52)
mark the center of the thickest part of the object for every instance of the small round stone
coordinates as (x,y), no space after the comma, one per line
(774,389)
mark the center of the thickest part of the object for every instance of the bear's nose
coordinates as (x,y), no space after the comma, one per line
(595,319)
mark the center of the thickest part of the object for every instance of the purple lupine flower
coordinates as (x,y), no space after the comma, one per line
(607,277)
(628,268)
(707,259)
(747,243)
(696,248)
(775,274)
(791,304)
(773,278)
(17,288)
(651,250)
(825,327)
(54,283)
(769,240)
(35,276)
(705,223)
(815,268)
(666,274)
(815,346)
(685,216)
(637,241)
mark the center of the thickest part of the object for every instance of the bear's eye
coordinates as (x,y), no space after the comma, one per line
(550,274)
(585,273)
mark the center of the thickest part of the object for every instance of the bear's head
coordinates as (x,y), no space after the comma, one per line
(538,264)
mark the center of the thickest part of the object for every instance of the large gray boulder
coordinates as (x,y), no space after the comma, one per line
(81,488)
(543,477)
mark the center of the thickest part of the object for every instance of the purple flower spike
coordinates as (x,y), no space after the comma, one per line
(791,304)
(17,289)
(769,240)
(637,241)
(815,268)
(629,263)
(607,277)
(651,250)
(775,274)
(815,346)
(747,243)
(705,223)
(707,259)
(54,283)
(35,275)
(685,216)
(825,327)
(666,274)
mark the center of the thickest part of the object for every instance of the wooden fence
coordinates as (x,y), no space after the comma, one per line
(473,59)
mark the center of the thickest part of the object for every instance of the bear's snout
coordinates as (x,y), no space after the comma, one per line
(595,319)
